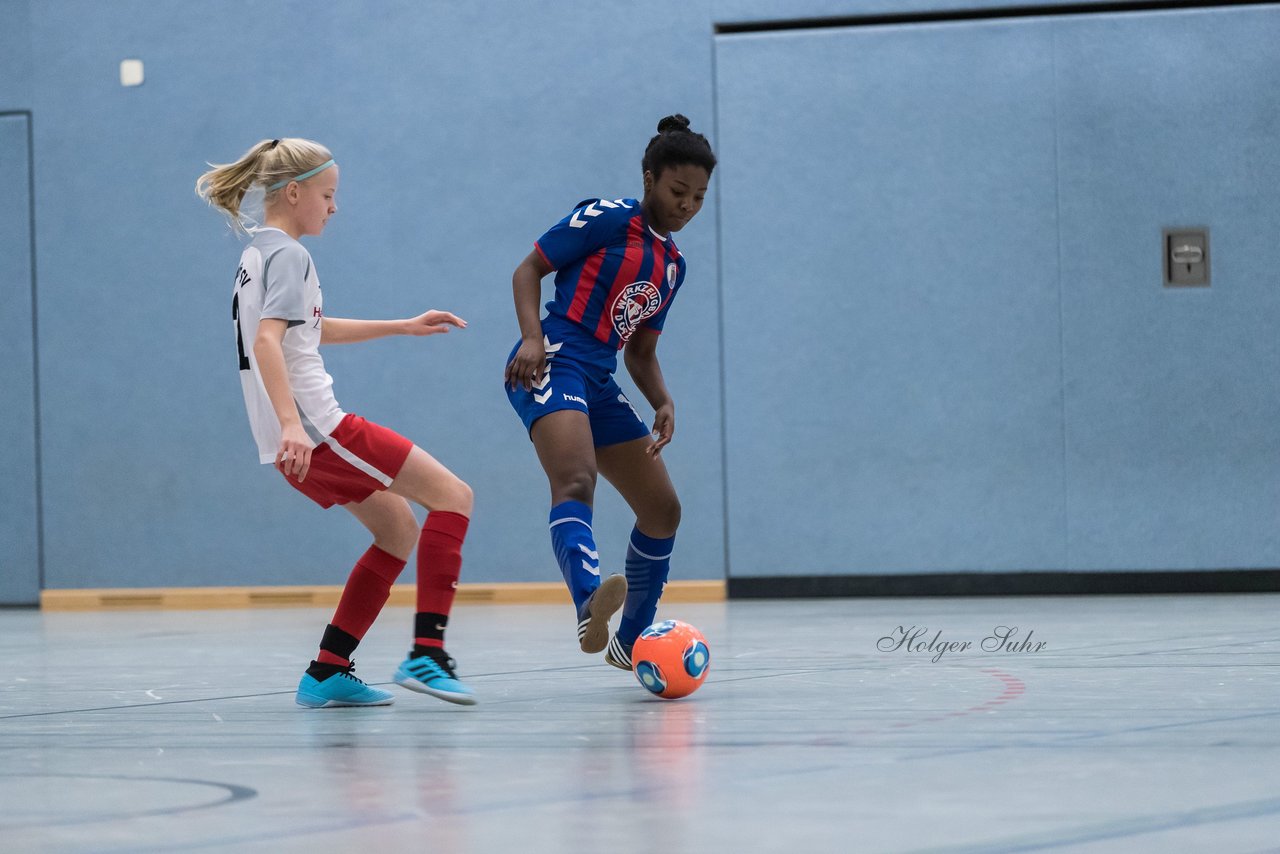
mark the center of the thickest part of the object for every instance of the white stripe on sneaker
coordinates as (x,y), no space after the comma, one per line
(617,654)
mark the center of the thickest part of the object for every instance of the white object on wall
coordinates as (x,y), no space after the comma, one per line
(131,72)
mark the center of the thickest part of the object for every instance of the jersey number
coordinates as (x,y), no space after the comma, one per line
(235,317)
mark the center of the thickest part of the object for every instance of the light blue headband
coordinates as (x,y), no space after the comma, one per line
(304,176)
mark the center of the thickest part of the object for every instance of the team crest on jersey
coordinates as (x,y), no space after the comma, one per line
(672,272)
(637,303)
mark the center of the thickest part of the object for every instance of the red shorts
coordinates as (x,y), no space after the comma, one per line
(358,459)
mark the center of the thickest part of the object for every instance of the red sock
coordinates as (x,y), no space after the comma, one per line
(366,592)
(439,565)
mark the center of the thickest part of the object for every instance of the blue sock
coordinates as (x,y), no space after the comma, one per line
(648,564)
(575,549)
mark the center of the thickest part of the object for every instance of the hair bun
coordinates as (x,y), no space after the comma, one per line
(673,123)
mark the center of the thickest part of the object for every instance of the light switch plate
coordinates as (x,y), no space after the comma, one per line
(1186,257)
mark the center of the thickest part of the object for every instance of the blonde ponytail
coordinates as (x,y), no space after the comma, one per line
(265,164)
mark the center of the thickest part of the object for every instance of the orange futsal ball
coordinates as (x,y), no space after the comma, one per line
(671,659)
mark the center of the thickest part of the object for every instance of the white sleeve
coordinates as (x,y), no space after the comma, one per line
(284,278)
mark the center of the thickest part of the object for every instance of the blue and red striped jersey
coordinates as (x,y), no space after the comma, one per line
(614,274)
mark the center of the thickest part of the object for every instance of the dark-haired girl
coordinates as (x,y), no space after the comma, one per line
(617,270)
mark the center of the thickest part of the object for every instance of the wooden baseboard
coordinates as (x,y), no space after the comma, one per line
(206,598)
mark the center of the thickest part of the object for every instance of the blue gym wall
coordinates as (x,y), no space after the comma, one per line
(463,133)
(923,328)
(15,55)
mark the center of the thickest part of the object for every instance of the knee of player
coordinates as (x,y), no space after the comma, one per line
(575,486)
(461,498)
(405,536)
(673,512)
(663,517)
(397,533)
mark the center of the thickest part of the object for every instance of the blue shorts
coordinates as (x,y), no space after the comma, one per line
(570,385)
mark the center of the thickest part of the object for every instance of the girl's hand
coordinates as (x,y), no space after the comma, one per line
(664,426)
(294,456)
(433,322)
(527,366)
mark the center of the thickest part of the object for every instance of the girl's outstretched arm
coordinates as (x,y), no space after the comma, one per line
(341,330)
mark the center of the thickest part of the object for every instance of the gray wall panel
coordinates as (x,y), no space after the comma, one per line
(891,300)
(19,538)
(1172,400)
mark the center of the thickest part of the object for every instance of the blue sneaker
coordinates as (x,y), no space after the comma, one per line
(340,688)
(432,673)
(593,616)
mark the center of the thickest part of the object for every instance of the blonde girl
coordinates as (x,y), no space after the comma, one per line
(331,456)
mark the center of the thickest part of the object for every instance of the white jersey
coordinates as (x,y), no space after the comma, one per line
(277,280)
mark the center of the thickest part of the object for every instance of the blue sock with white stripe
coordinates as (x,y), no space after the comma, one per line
(575,548)
(648,564)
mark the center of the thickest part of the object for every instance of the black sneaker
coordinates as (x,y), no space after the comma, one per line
(618,653)
(593,616)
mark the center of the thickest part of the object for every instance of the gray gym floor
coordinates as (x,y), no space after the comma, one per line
(1141,724)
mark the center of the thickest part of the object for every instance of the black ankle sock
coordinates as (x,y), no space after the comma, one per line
(320,672)
(337,642)
(428,625)
(434,651)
